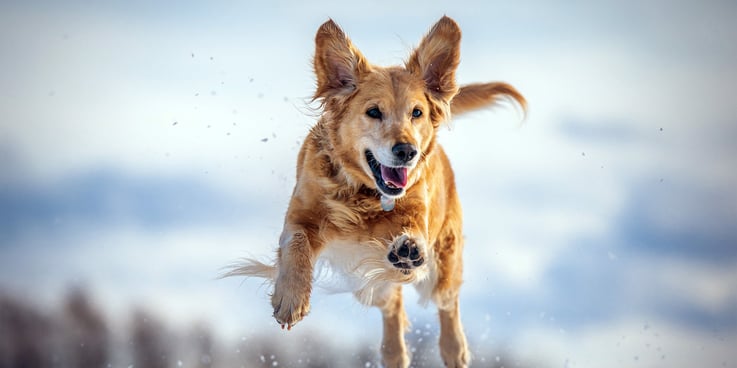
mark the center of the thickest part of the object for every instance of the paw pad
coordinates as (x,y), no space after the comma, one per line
(406,256)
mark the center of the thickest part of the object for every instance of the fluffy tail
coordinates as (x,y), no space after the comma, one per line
(475,96)
(252,268)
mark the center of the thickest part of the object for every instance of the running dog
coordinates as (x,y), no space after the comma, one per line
(375,196)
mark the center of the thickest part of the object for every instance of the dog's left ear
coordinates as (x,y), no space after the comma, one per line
(338,64)
(437,58)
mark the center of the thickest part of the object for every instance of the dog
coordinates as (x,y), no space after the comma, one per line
(375,197)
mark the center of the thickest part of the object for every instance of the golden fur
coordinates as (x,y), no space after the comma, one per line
(375,196)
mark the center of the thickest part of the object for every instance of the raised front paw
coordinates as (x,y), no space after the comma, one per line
(291,301)
(406,254)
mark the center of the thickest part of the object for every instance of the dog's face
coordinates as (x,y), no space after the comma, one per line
(387,128)
(382,121)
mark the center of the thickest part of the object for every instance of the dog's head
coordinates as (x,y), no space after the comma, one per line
(382,121)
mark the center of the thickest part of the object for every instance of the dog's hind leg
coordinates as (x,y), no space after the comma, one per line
(453,345)
(393,348)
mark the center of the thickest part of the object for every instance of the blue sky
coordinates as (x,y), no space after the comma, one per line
(146,145)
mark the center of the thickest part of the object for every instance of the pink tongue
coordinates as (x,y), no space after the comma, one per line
(396,176)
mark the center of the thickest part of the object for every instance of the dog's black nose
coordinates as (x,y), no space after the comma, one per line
(404,152)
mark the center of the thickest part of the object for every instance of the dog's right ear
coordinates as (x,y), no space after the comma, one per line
(338,64)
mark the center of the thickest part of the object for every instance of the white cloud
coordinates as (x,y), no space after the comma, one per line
(705,286)
(135,97)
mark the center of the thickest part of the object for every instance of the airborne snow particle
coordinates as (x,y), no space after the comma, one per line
(265,139)
(175,123)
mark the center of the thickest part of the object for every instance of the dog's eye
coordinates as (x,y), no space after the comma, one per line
(374,113)
(416,113)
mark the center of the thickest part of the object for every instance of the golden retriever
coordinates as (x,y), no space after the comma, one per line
(375,196)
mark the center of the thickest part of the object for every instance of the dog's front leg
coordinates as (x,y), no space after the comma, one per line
(409,249)
(291,298)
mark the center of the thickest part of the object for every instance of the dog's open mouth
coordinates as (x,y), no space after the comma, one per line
(389,180)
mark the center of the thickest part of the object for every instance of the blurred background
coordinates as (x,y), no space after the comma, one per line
(146,145)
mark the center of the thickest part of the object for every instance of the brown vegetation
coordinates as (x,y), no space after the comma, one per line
(78,334)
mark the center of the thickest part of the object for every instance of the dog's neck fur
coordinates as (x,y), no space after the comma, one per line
(337,183)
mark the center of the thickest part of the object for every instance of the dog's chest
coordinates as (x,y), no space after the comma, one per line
(362,268)
(360,219)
